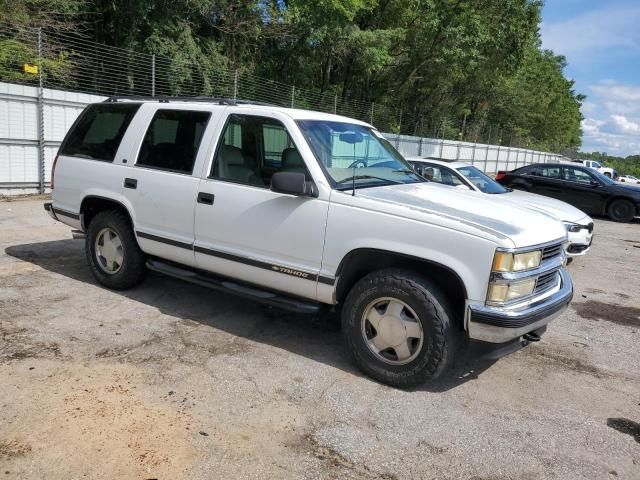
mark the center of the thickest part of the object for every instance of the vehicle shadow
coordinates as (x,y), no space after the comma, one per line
(312,337)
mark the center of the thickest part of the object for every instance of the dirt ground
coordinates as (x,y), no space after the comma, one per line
(173,381)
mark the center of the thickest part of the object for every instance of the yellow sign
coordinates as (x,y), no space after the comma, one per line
(28,68)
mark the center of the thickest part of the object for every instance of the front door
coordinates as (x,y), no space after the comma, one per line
(582,189)
(244,230)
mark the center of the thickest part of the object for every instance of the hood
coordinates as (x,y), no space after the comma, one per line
(559,209)
(629,188)
(465,210)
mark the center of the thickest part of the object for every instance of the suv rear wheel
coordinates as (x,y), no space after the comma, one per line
(399,327)
(113,254)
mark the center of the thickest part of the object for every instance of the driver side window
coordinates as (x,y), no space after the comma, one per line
(252,149)
(438,174)
(576,175)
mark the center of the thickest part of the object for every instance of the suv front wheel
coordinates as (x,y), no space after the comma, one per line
(399,327)
(112,250)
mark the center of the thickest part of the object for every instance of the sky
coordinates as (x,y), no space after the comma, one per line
(601,41)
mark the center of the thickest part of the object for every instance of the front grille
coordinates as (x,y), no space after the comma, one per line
(551,251)
(590,227)
(546,282)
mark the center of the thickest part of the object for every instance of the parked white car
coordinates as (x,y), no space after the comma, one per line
(578,224)
(628,179)
(308,211)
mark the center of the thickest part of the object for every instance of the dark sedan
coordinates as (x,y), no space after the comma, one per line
(582,187)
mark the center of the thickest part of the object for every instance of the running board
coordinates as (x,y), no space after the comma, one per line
(215,282)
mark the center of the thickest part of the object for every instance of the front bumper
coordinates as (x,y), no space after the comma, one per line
(580,242)
(502,324)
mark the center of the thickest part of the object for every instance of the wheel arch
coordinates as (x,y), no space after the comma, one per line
(362,261)
(93,204)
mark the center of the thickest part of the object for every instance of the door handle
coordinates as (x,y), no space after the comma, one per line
(130,183)
(206,198)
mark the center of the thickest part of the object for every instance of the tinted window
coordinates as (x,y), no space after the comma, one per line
(576,175)
(98,131)
(172,140)
(439,174)
(482,182)
(253,149)
(541,171)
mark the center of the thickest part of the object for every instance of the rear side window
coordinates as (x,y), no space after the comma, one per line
(98,131)
(172,140)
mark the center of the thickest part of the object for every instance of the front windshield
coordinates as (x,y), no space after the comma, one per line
(355,154)
(602,177)
(482,182)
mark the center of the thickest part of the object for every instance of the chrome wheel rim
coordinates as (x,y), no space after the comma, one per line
(392,331)
(109,251)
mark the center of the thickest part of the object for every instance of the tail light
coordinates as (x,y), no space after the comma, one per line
(501,174)
(53,170)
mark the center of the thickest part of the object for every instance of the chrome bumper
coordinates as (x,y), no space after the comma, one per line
(500,324)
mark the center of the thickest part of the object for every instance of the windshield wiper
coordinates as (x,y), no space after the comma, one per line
(404,171)
(362,177)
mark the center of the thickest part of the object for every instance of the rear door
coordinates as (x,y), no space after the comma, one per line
(547,181)
(162,183)
(88,160)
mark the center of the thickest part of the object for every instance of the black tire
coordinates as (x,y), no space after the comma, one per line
(132,269)
(621,210)
(433,313)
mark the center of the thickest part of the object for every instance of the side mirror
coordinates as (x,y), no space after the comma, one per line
(292,183)
(463,187)
(595,183)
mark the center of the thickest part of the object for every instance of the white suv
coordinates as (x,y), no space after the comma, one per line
(308,211)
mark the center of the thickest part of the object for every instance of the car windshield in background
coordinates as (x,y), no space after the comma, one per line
(354,154)
(483,182)
(602,177)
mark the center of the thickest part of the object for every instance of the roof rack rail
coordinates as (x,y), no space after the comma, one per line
(168,99)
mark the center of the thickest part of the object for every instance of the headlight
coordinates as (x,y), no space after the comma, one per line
(573,227)
(505,292)
(516,262)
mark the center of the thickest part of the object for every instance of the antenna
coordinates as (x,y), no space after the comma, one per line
(353,177)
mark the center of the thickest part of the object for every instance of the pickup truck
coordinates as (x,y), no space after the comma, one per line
(598,167)
(309,212)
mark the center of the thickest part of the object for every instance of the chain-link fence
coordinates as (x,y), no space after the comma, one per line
(60,72)
(71,62)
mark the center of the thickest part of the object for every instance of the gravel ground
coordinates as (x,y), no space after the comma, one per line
(171,381)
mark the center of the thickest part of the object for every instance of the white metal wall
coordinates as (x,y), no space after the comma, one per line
(19,139)
(19,132)
(489,158)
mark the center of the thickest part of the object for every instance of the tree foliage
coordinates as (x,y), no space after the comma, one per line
(624,166)
(465,68)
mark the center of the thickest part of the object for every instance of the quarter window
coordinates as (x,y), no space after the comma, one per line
(172,140)
(99,130)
